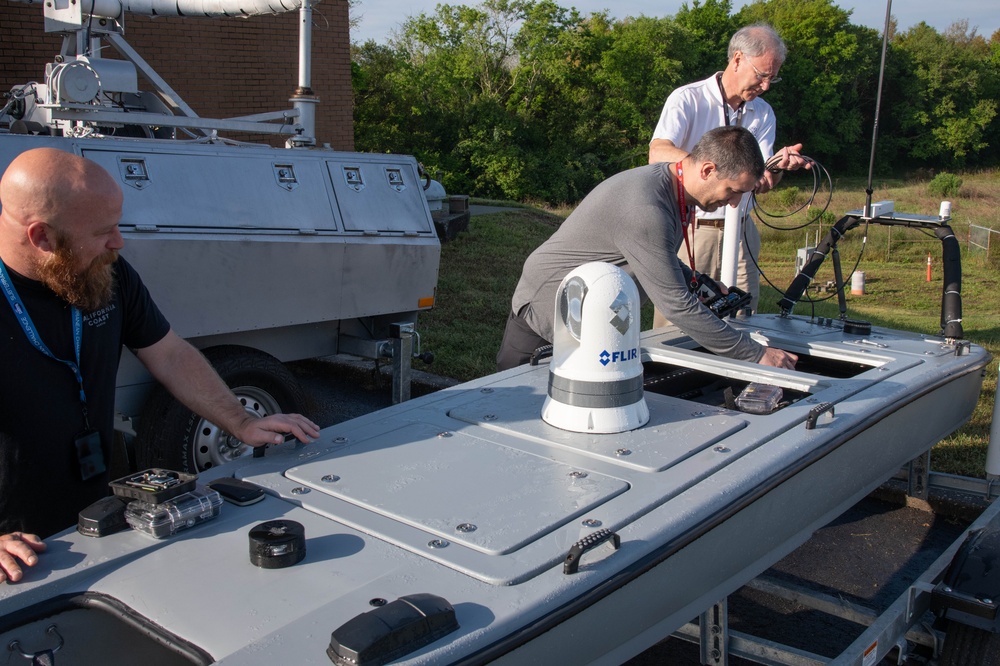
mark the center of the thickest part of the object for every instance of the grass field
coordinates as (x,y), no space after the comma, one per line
(480,268)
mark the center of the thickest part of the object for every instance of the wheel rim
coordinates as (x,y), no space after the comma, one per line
(213,446)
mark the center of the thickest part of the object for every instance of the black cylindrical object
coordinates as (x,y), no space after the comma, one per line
(951,290)
(277,544)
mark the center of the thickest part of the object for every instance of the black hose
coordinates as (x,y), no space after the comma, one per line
(951,291)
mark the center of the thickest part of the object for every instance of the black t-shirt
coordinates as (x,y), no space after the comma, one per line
(41,415)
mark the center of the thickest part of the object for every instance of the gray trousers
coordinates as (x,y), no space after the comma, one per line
(519,342)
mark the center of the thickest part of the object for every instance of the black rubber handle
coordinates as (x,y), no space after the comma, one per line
(816,412)
(542,352)
(572,562)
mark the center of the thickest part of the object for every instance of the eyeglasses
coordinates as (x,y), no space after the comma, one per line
(770,80)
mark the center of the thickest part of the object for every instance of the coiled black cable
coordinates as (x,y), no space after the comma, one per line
(820,175)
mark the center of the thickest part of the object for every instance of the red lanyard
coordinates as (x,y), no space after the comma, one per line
(687,215)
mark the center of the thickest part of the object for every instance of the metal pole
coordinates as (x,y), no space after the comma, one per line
(731,235)
(402,361)
(878,106)
(305,45)
(993,450)
(304,99)
(714,634)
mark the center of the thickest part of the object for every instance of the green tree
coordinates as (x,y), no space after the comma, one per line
(380,118)
(826,79)
(527,100)
(951,94)
(647,58)
(711,25)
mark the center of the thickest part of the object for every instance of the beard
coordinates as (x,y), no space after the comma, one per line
(88,290)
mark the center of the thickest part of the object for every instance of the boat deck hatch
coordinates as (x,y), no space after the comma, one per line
(676,429)
(703,387)
(91,628)
(833,368)
(434,480)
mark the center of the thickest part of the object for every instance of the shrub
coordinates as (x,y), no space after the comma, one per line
(786,197)
(945,184)
(827,219)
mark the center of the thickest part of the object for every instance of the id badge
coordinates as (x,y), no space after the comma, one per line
(89,454)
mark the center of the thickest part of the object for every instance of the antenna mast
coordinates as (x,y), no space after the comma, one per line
(878,106)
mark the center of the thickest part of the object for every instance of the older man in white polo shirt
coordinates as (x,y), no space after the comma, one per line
(730,97)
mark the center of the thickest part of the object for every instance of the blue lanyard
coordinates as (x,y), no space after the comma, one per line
(32,333)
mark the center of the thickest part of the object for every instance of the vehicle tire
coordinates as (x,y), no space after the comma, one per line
(173,437)
(965,645)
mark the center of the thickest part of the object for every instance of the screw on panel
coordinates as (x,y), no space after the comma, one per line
(339,440)
(437,543)
(722,449)
(377,602)
(486,390)
(578,475)
(444,434)
(490,417)
(623,452)
(592,522)
(299,490)
(465,527)
(330,478)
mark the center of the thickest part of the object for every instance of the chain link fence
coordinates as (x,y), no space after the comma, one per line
(984,242)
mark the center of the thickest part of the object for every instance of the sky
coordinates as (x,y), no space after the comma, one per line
(379,18)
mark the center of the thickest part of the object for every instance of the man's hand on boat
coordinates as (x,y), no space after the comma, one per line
(778,358)
(18,546)
(274,428)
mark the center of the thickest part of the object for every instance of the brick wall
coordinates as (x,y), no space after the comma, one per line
(222,68)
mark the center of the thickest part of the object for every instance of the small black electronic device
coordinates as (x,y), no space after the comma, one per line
(154,485)
(731,303)
(103,517)
(237,491)
(721,305)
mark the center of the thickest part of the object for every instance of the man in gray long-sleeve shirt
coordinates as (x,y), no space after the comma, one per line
(633,220)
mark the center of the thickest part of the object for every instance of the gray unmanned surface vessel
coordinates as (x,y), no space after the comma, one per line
(465,501)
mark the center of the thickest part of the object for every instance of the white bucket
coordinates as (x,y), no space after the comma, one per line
(858,282)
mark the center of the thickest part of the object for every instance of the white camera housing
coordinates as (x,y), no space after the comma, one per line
(595,377)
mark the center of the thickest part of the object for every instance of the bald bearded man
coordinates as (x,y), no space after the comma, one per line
(71,304)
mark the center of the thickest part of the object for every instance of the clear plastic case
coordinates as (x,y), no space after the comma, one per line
(759,398)
(176,514)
